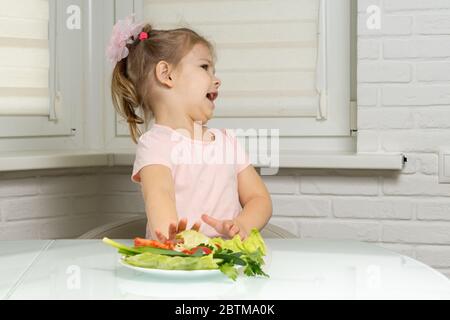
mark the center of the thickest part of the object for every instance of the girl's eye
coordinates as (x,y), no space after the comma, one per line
(205,65)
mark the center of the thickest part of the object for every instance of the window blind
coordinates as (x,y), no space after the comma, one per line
(271,58)
(24,57)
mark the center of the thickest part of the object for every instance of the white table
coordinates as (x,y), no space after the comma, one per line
(298,269)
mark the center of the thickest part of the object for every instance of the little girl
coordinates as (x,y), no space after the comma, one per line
(169,75)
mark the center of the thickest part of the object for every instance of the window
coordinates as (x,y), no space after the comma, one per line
(41,73)
(25,59)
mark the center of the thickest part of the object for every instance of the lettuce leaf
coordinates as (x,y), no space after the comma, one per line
(157,261)
(253,243)
(192,238)
(229,270)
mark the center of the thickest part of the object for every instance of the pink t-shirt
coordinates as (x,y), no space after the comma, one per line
(204,172)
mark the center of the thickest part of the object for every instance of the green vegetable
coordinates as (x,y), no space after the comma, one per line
(192,238)
(230,257)
(248,252)
(161,251)
(122,248)
(158,261)
(229,271)
(252,243)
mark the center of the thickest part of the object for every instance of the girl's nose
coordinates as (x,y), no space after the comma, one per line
(217,82)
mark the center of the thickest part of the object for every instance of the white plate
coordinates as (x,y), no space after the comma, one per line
(173,273)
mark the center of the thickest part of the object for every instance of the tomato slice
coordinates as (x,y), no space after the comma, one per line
(187,251)
(140,242)
(205,250)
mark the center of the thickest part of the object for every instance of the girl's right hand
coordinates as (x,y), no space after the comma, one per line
(174,229)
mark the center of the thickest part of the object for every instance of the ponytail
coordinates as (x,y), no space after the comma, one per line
(125,99)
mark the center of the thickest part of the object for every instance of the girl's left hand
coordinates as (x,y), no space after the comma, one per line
(228,228)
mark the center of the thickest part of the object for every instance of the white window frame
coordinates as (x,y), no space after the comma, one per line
(59,129)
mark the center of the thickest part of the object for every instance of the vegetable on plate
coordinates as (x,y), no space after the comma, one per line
(195,251)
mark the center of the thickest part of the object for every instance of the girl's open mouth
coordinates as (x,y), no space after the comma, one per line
(212,95)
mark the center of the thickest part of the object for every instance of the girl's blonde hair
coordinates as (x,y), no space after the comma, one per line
(133,75)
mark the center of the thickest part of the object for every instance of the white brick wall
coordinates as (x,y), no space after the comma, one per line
(403,106)
(384,72)
(433,71)
(64,203)
(369,48)
(413,5)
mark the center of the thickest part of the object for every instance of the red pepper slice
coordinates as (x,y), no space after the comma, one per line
(140,242)
(205,250)
(187,251)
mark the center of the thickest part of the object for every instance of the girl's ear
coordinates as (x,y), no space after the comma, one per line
(162,72)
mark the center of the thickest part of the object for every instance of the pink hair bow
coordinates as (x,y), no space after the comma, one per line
(124,32)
